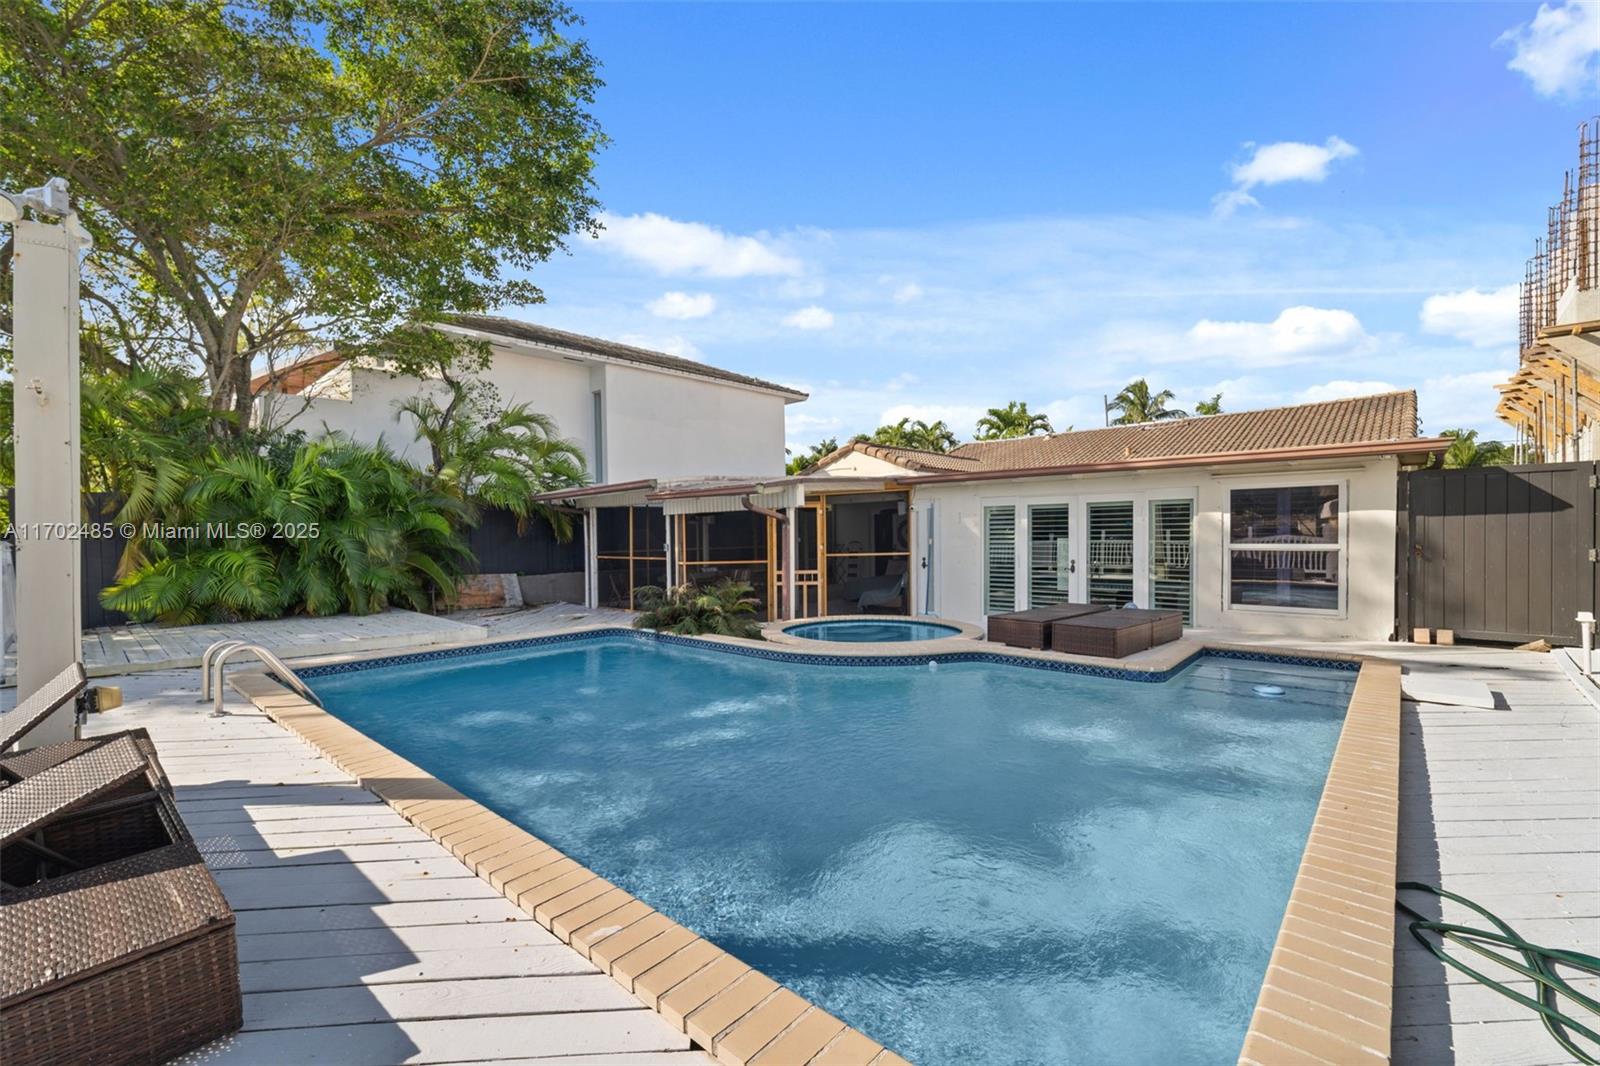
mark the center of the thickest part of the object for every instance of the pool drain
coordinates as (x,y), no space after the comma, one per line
(1271,691)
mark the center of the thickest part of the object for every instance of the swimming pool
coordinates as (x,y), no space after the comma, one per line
(872,631)
(969,861)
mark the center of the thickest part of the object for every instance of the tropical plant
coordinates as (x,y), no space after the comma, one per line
(1012,420)
(138,431)
(1465,450)
(727,609)
(485,455)
(812,456)
(332,526)
(909,433)
(1136,403)
(1212,406)
(260,178)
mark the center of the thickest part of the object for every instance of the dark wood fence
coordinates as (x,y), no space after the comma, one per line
(496,543)
(1498,553)
(501,548)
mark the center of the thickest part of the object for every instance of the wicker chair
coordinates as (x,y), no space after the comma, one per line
(116,946)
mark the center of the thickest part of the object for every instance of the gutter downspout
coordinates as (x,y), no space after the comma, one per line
(750,505)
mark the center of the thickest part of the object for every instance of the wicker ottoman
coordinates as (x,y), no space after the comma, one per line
(1031,629)
(1165,626)
(1107,635)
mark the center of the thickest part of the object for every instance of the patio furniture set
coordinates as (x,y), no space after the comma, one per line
(1087,629)
(116,945)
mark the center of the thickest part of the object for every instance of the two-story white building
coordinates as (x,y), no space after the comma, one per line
(635,413)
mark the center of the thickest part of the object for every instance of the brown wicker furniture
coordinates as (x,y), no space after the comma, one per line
(116,946)
(1031,628)
(1116,634)
(65,686)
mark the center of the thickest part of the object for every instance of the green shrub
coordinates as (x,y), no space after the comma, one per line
(725,609)
(321,528)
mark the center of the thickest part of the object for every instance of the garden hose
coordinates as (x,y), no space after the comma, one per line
(1539,967)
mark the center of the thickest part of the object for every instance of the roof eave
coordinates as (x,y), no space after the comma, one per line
(1415,448)
(508,341)
(583,491)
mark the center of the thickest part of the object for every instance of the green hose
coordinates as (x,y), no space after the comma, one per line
(1540,967)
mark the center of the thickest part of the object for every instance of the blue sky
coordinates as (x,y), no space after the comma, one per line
(929,209)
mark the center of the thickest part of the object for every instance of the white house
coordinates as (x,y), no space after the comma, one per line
(635,413)
(1278,521)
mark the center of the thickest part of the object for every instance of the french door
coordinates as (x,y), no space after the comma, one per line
(1106,549)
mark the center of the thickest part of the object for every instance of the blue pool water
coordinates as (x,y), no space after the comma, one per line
(873,632)
(971,862)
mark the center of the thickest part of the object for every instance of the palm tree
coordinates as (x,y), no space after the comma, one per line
(1135,403)
(1212,406)
(906,433)
(1465,450)
(1012,420)
(360,530)
(484,456)
(727,609)
(806,460)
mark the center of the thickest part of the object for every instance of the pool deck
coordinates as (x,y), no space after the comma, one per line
(1503,807)
(387,949)
(362,940)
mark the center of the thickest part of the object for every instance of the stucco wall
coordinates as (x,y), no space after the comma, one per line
(655,424)
(1368,518)
(669,425)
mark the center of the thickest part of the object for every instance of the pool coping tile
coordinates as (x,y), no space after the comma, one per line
(1335,945)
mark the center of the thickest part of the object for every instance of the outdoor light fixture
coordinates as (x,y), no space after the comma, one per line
(50,200)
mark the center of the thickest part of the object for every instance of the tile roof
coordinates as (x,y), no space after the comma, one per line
(577,342)
(910,458)
(1390,416)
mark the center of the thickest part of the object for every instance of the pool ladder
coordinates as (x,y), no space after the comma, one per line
(216,659)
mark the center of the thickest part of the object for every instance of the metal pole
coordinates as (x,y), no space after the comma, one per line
(49,484)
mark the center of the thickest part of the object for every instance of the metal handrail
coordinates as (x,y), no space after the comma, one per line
(224,650)
(209,659)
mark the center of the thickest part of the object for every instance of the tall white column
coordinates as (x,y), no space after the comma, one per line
(49,483)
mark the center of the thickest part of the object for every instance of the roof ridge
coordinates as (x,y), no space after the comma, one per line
(1190,420)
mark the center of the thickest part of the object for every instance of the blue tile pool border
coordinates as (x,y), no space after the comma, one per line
(612,633)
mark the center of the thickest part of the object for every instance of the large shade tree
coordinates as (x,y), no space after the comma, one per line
(265,178)
(1137,403)
(1012,420)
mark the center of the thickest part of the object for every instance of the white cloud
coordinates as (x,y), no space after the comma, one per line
(1273,164)
(961,418)
(910,292)
(673,247)
(1297,334)
(1482,319)
(812,317)
(1341,389)
(1559,50)
(1466,399)
(682,305)
(674,345)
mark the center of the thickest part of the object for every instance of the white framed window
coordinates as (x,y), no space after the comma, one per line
(999,559)
(1286,548)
